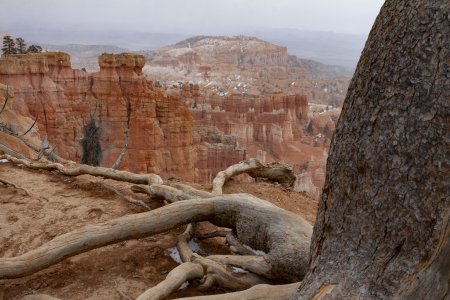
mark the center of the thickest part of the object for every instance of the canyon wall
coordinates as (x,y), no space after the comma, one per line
(243,64)
(180,132)
(271,120)
(270,127)
(118,98)
(277,106)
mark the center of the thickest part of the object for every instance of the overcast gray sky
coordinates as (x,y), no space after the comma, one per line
(190,16)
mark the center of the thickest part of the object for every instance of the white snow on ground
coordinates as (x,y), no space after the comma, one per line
(175,255)
(178,51)
(184,285)
(257,252)
(195,247)
(4,161)
(238,270)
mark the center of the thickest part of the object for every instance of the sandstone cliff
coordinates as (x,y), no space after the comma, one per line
(183,133)
(255,91)
(270,127)
(120,100)
(247,65)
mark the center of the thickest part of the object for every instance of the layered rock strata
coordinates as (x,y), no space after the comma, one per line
(120,100)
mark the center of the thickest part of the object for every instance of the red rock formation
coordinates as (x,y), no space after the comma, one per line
(270,120)
(192,139)
(269,127)
(243,64)
(118,97)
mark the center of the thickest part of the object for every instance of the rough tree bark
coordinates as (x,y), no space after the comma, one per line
(382,228)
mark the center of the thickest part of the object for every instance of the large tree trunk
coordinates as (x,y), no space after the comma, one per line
(382,228)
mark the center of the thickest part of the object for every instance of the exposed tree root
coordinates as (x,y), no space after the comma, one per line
(277,172)
(126,197)
(213,271)
(284,236)
(123,150)
(6,99)
(184,272)
(235,245)
(253,263)
(78,169)
(11,152)
(6,182)
(171,194)
(257,292)
(116,286)
(38,297)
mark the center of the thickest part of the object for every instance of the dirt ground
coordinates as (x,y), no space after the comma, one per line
(45,204)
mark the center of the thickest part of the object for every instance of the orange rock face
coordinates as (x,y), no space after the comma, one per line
(270,127)
(118,98)
(255,92)
(187,133)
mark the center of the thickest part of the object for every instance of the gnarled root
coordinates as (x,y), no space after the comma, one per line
(278,172)
(171,194)
(78,169)
(38,297)
(285,237)
(257,292)
(184,272)
(252,263)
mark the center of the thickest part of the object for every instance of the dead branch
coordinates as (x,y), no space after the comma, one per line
(11,152)
(184,272)
(126,197)
(38,297)
(79,169)
(171,194)
(190,191)
(6,182)
(210,235)
(252,263)
(182,243)
(6,100)
(123,150)
(257,292)
(31,127)
(236,246)
(116,286)
(283,235)
(94,236)
(277,172)
(220,275)
(126,138)
(286,236)
(44,146)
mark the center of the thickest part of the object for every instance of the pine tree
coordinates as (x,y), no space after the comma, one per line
(309,129)
(9,46)
(34,49)
(21,47)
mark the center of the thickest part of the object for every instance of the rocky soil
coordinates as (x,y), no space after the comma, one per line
(46,204)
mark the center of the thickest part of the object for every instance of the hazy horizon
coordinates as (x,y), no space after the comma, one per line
(312,30)
(189,17)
